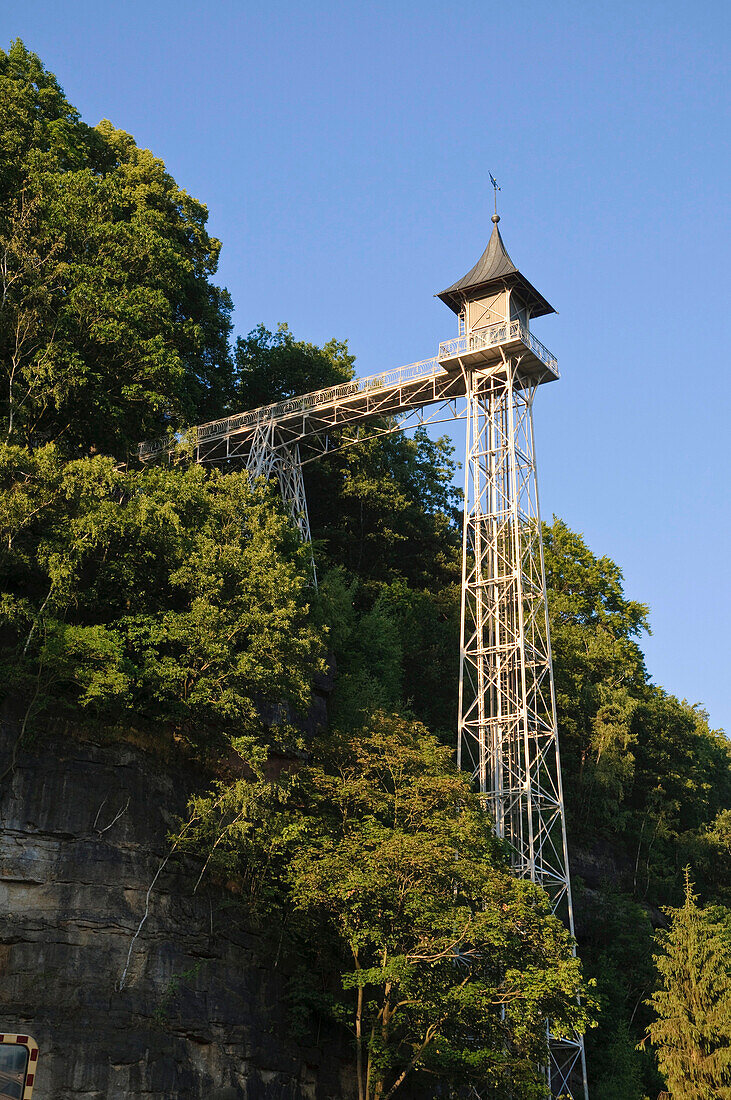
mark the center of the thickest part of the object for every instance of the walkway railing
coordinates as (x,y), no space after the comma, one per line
(332,395)
(309,402)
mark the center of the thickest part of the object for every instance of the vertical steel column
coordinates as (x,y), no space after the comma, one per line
(507,733)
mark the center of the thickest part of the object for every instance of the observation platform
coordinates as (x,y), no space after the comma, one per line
(490,346)
(309,418)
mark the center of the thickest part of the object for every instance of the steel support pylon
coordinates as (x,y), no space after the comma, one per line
(507,734)
(269,457)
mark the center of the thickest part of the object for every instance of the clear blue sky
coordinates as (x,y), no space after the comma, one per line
(343,151)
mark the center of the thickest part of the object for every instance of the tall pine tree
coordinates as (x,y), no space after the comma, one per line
(692,1032)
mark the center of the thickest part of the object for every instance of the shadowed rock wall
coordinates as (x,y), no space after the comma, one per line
(201,1013)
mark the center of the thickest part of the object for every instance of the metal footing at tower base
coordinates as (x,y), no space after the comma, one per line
(507,733)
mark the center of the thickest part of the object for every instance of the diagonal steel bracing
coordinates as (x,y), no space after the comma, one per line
(267,458)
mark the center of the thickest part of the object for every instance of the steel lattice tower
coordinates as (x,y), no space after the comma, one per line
(507,733)
(507,728)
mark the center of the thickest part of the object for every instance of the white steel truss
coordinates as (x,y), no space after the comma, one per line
(268,457)
(310,419)
(507,732)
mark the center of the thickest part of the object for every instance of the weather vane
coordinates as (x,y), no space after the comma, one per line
(495,184)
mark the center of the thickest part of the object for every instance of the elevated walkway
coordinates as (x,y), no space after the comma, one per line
(308,419)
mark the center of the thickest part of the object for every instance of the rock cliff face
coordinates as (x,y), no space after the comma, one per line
(200,1012)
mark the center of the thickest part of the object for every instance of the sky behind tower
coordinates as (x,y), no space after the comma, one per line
(344,150)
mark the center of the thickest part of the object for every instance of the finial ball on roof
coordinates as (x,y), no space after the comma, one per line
(496,218)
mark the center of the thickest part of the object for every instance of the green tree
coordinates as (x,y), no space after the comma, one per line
(597,659)
(386,511)
(682,779)
(709,851)
(169,595)
(110,327)
(624,1079)
(640,766)
(385,867)
(692,1032)
(368,652)
(272,366)
(451,965)
(616,950)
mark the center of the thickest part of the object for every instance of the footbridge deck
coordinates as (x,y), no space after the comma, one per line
(308,419)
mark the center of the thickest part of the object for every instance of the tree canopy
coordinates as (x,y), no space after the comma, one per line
(168,595)
(272,366)
(110,327)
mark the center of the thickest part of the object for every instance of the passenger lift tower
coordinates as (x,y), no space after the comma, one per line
(507,731)
(490,374)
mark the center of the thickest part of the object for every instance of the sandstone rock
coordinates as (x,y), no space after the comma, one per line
(201,1012)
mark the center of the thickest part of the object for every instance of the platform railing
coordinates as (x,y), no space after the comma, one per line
(492,336)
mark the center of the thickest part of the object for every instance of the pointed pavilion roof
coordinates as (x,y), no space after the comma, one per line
(494,269)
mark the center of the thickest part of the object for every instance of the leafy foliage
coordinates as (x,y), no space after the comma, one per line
(272,366)
(616,945)
(692,1032)
(709,852)
(171,595)
(396,517)
(598,661)
(450,966)
(642,769)
(110,328)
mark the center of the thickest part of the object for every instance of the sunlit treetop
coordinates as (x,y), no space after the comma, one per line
(110,328)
